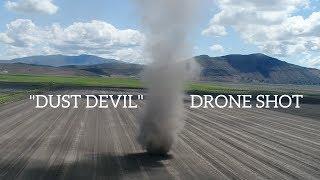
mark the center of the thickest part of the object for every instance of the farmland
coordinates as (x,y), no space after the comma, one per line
(101,143)
(47,82)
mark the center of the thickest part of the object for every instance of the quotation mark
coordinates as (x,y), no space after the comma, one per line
(140,97)
(32,97)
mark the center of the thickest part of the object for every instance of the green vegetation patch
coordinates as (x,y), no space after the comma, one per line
(18,95)
(41,82)
(8,97)
(70,81)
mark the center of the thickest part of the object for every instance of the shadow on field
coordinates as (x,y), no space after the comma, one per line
(129,166)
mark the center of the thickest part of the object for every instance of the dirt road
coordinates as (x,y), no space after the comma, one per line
(101,143)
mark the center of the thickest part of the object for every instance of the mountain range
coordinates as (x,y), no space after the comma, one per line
(255,68)
(61,60)
(252,68)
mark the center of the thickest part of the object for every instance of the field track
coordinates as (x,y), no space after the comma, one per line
(85,144)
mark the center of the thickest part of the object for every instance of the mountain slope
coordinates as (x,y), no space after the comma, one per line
(252,68)
(113,69)
(255,68)
(61,60)
(20,68)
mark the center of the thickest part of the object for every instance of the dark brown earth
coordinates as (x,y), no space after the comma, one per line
(101,144)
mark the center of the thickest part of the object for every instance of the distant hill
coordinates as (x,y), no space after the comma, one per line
(112,69)
(20,68)
(61,60)
(70,65)
(257,68)
(252,68)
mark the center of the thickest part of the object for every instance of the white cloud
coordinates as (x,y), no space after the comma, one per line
(271,25)
(32,6)
(23,37)
(23,33)
(5,39)
(234,12)
(215,30)
(311,61)
(130,55)
(217,48)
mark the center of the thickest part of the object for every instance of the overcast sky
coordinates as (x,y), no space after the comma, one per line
(286,29)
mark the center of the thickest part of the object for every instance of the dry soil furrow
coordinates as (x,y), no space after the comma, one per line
(101,144)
